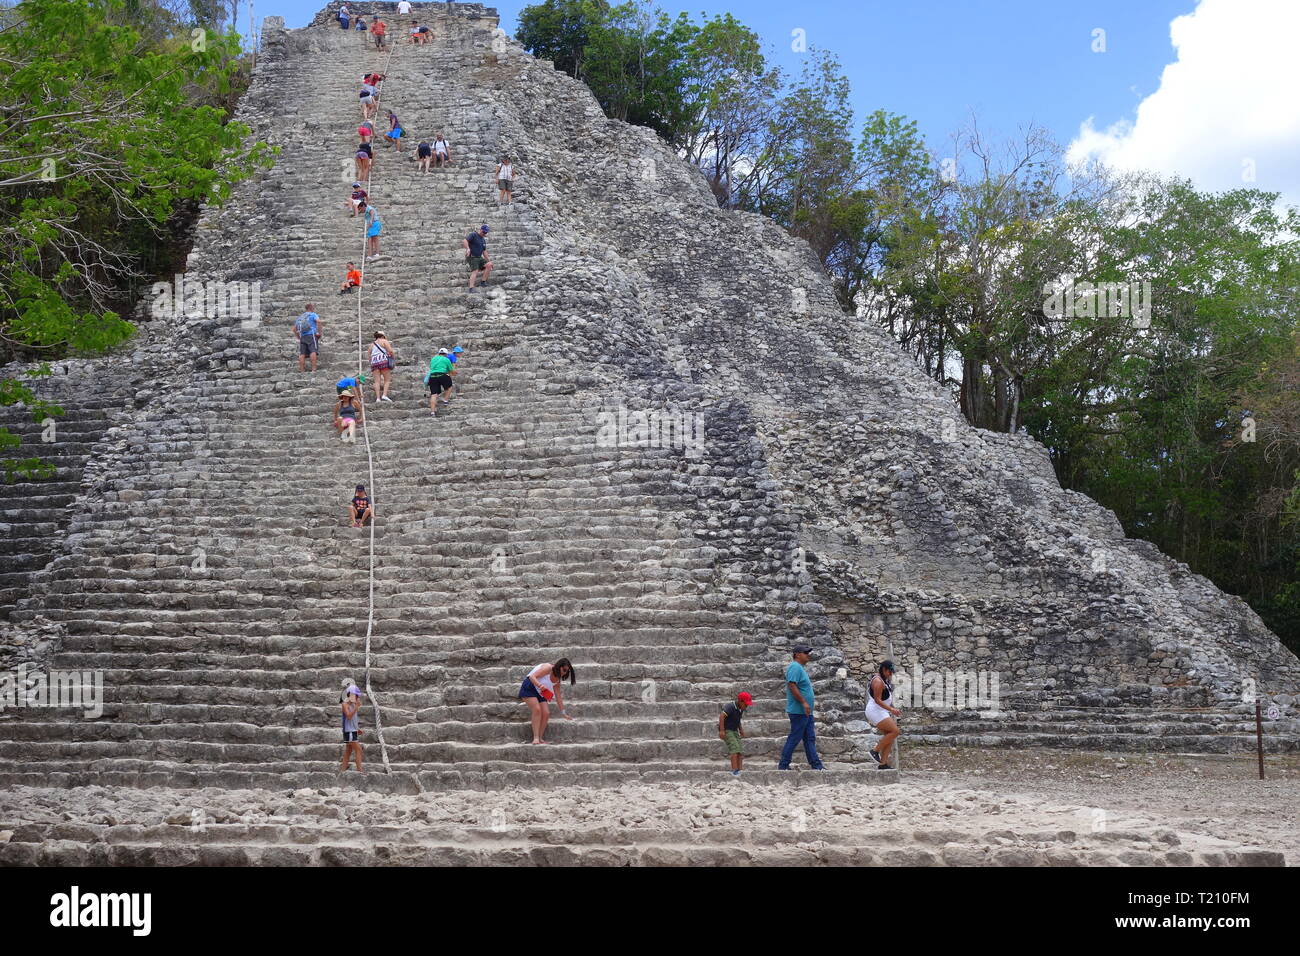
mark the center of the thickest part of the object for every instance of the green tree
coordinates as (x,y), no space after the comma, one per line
(102,144)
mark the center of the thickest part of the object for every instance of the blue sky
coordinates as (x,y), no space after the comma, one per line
(1014,62)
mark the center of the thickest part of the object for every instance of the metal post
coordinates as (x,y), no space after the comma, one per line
(1259,740)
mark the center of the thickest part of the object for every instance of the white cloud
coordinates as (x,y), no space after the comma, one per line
(1229,105)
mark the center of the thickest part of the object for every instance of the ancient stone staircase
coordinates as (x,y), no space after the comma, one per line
(207,567)
(223,596)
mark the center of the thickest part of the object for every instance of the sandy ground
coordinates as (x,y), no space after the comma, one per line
(1037,800)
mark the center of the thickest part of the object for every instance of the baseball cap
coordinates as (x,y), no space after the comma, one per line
(801,649)
(744,698)
(443,352)
(354,689)
(457,349)
(356,185)
(361,488)
(484,228)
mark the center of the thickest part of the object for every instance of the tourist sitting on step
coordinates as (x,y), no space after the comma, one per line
(361,26)
(373,227)
(360,509)
(441,151)
(480,267)
(424,155)
(505,180)
(438,378)
(383,357)
(541,686)
(881,713)
(395,132)
(353,279)
(348,410)
(419,34)
(351,706)
(363,157)
(359,195)
(379,30)
(307,329)
(730,732)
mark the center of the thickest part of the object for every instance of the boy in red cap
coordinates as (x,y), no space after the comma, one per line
(729,731)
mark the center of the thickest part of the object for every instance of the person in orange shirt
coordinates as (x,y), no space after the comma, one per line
(353,281)
(377,30)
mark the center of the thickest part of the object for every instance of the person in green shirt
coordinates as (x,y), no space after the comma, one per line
(439,380)
(799,708)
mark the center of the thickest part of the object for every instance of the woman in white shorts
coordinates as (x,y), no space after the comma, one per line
(881,712)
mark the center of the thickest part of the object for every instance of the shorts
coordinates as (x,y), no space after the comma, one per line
(876,713)
(395,134)
(505,184)
(529,689)
(374,229)
(438,384)
(350,736)
(735,743)
(347,421)
(307,345)
(424,152)
(477,262)
(361,154)
(381,366)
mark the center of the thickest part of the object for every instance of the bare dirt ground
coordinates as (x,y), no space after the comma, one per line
(951,806)
(1218,797)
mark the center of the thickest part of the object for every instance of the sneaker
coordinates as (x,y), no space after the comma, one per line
(735,773)
(884,766)
(473,288)
(385,398)
(875,755)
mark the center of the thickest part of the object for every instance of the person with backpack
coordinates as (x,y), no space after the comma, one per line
(350,704)
(395,132)
(359,509)
(438,378)
(881,713)
(307,328)
(383,358)
(799,708)
(355,382)
(541,686)
(344,16)
(441,151)
(729,731)
(475,245)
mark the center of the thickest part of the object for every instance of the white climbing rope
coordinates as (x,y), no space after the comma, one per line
(370,458)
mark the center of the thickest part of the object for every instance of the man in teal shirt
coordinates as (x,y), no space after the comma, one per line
(439,379)
(799,708)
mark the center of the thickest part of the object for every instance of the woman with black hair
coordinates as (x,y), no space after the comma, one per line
(881,712)
(543,684)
